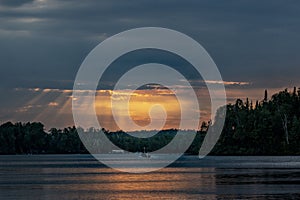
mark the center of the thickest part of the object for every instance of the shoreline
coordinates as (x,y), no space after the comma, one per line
(186,161)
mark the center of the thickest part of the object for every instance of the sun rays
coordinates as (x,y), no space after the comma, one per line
(148,108)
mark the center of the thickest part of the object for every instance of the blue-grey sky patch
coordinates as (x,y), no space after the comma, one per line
(43,42)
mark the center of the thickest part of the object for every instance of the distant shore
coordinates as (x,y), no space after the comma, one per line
(189,161)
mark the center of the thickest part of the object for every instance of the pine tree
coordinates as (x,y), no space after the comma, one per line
(266,96)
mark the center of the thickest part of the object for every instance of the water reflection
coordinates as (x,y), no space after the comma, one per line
(104,183)
(82,177)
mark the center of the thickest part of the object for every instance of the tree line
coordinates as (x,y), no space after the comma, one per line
(267,127)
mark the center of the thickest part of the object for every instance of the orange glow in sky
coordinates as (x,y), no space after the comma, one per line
(53,107)
(141,102)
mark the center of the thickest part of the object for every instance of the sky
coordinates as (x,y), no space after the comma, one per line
(254,43)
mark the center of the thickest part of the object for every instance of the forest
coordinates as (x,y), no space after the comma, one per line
(267,127)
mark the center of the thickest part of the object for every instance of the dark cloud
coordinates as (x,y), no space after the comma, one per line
(43,42)
(14,3)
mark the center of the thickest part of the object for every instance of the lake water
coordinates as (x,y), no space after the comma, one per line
(82,177)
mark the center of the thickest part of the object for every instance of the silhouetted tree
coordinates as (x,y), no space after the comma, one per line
(266,96)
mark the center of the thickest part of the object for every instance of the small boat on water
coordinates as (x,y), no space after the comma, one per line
(144,154)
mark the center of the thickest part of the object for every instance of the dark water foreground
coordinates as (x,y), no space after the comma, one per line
(82,177)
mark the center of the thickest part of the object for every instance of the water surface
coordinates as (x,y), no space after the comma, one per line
(82,177)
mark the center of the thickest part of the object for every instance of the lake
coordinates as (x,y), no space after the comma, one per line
(82,177)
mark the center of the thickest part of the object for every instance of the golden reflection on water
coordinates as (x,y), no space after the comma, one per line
(168,183)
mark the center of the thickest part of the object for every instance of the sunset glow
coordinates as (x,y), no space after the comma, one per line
(141,102)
